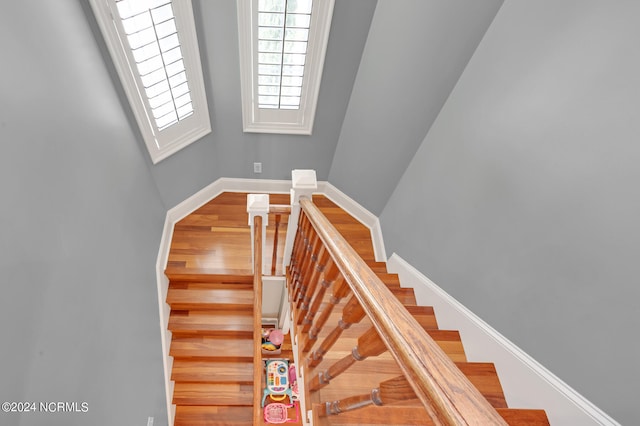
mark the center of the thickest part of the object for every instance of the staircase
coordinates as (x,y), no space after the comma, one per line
(212,346)
(211,322)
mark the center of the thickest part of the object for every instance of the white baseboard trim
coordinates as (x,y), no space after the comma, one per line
(363,215)
(214,189)
(162,283)
(526,383)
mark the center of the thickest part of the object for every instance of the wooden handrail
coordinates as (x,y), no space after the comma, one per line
(446,394)
(257,319)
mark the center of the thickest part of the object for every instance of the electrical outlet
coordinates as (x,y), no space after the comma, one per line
(150,421)
(257,167)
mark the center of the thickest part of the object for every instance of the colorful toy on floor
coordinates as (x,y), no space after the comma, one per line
(272,340)
(277,412)
(277,380)
(276,337)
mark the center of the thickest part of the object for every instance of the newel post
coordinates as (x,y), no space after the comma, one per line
(258,205)
(303,183)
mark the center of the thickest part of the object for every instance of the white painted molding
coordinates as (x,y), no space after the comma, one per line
(526,383)
(214,189)
(363,215)
(165,335)
(258,205)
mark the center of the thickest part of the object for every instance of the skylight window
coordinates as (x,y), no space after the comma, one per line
(153,38)
(282,47)
(283,35)
(154,47)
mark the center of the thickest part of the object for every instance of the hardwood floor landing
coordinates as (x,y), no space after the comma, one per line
(216,238)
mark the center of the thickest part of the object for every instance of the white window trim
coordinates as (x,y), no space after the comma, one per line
(172,139)
(272,120)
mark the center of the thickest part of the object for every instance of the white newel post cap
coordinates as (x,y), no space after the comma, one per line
(303,183)
(257,205)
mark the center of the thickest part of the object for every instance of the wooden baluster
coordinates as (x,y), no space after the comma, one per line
(302,257)
(340,290)
(369,344)
(396,389)
(299,254)
(349,404)
(278,210)
(294,263)
(274,257)
(312,283)
(330,274)
(352,313)
(392,390)
(296,240)
(308,268)
(300,243)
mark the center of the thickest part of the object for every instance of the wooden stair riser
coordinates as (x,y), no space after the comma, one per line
(227,394)
(210,299)
(212,323)
(187,370)
(187,415)
(207,347)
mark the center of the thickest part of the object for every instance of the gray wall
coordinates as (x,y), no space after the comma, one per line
(415,52)
(81,220)
(229,152)
(523,200)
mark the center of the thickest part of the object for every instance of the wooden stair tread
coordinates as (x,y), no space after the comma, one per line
(524,417)
(406,296)
(192,299)
(212,322)
(374,415)
(484,377)
(193,415)
(212,347)
(450,342)
(425,316)
(228,394)
(377,267)
(390,280)
(187,370)
(417,416)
